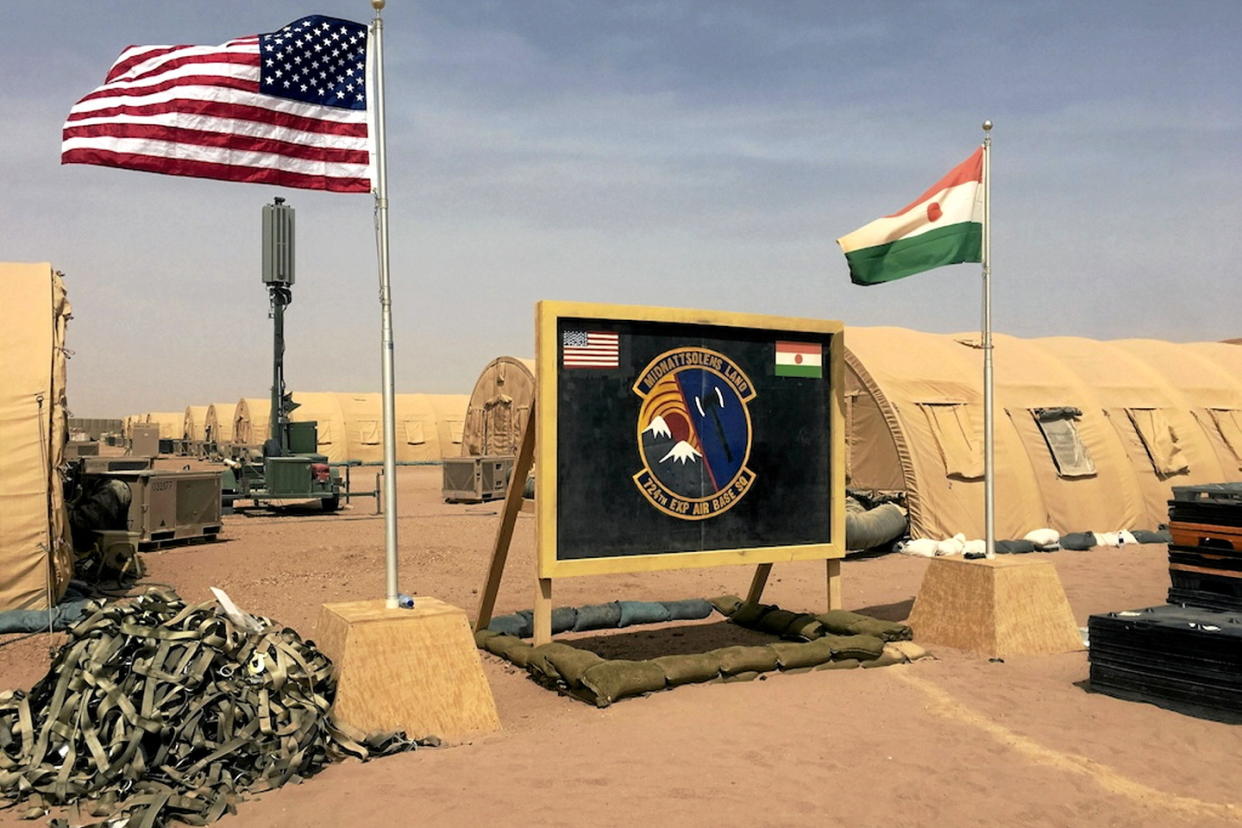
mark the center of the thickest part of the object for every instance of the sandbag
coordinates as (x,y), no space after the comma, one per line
(844,622)
(908,649)
(510,648)
(861,647)
(1014,547)
(481,636)
(725,604)
(598,617)
(619,678)
(777,621)
(688,609)
(886,658)
(875,527)
(791,655)
(563,619)
(687,669)
(516,625)
(804,627)
(739,659)
(748,615)
(642,612)
(843,664)
(572,663)
(540,665)
(1147,536)
(1078,541)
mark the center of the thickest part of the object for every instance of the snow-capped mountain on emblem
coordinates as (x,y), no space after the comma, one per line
(658,428)
(683,452)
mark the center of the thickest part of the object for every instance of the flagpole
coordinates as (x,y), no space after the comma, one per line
(989,456)
(386,348)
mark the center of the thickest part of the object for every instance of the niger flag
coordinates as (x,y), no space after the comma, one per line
(942,226)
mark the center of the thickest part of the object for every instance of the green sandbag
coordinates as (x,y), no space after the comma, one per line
(804,628)
(776,621)
(540,667)
(642,612)
(509,647)
(598,617)
(886,658)
(516,625)
(689,609)
(844,622)
(843,664)
(749,675)
(725,604)
(748,615)
(619,678)
(572,663)
(740,659)
(861,647)
(482,635)
(687,669)
(793,654)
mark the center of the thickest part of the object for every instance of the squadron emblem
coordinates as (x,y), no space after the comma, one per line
(694,433)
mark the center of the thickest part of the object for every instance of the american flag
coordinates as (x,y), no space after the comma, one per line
(590,349)
(286,108)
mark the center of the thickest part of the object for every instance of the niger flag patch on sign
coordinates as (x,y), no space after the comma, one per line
(799,359)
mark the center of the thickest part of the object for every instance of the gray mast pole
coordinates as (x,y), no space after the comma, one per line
(989,456)
(381,237)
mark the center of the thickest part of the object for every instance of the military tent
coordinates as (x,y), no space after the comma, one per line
(499,407)
(250,420)
(219,427)
(194,423)
(36,555)
(1090,435)
(171,423)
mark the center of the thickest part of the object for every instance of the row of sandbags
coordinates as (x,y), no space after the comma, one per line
(832,640)
(613,615)
(1039,540)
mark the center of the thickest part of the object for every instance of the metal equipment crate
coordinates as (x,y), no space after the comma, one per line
(476,479)
(171,506)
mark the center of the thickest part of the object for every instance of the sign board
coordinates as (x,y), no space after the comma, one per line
(675,438)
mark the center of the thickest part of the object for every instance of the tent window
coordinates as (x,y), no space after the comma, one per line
(960,448)
(1061,434)
(369,432)
(414,433)
(1229,424)
(325,433)
(455,428)
(1159,439)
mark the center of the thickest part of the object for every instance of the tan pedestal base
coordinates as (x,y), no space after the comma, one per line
(1002,607)
(413,670)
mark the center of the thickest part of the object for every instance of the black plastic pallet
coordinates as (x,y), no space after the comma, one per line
(1207,600)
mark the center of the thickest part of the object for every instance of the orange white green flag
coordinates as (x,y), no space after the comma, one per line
(942,226)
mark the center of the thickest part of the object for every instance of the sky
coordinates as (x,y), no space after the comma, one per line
(688,153)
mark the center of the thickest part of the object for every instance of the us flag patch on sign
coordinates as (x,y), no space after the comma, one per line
(590,349)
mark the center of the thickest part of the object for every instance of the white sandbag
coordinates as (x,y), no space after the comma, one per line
(1106,539)
(922,548)
(951,546)
(1124,537)
(1044,538)
(974,547)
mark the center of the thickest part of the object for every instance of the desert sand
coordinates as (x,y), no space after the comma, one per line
(953,740)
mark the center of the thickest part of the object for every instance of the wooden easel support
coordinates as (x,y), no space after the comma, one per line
(504,532)
(760,580)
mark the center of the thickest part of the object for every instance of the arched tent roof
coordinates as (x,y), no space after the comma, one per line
(220,421)
(350,426)
(498,407)
(1089,435)
(171,423)
(194,423)
(250,420)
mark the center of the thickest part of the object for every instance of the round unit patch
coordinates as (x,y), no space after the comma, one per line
(694,433)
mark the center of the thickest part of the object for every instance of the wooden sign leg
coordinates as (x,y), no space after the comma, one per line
(543,612)
(508,519)
(758,583)
(834,584)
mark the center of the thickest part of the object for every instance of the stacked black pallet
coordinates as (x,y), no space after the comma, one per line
(1190,650)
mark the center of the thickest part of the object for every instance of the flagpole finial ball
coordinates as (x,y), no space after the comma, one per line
(987,125)
(378,5)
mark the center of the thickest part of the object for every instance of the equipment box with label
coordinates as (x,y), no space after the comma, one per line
(475,479)
(170,506)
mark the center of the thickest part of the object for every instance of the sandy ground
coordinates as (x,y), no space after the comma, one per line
(953,741)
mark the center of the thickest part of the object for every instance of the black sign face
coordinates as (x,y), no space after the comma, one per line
(674,437)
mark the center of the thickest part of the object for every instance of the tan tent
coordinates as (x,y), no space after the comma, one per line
(194,423)
(1090,435)
(32,437)
(350,426)
(499,407)
(219,427)
(171,423)
(250,420)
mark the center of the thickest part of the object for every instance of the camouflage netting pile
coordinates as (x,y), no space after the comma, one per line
(828,641)
(159,711)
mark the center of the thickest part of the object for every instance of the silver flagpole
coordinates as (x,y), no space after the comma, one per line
(381,239)
(989,457)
